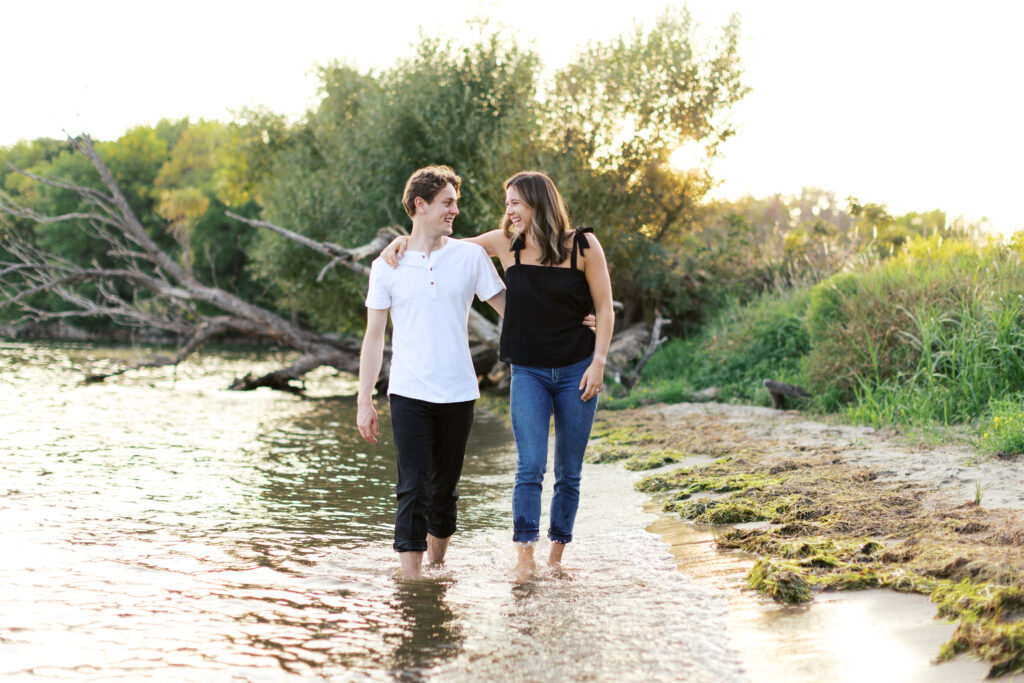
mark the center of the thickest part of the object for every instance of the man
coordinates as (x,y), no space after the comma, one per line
(433,385)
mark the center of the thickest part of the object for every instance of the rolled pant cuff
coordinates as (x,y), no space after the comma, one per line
(525,536)
(442,533)
(410,546)
(559,539)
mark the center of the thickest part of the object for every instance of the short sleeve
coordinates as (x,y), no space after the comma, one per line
(378,294)
(488,282)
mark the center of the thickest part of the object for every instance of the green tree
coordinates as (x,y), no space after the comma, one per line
(613,118)
(603,128)
(342,175)
(193,193)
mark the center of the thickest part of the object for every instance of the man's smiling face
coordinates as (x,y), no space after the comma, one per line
(439,214)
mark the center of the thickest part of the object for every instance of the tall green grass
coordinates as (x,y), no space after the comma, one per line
(743,345)
(932,336)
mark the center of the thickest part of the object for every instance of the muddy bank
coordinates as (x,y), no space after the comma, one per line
(841,636)
(823,508)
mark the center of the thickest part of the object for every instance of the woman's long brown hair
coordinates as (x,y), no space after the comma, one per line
(550,226)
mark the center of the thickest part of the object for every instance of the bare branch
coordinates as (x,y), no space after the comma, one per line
(282,379)
(22,212)
(330,264)
(129,224)
(81,276)
(89,192)
(347,257)
(208,330)
(632,378)
(656,341)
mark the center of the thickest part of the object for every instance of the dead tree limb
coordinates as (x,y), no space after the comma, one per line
(618,372)
(145,287)
(339,255)
(780,390)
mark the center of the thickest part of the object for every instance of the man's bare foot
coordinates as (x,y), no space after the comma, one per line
(436,549)
(411,562)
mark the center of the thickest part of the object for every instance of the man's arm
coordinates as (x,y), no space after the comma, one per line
(497,302)
(370,359)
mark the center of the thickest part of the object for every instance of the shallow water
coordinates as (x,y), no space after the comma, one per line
(159,526)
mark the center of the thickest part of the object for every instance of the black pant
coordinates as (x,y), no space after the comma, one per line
(430,442)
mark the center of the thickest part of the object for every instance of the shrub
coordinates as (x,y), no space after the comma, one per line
(1002,428)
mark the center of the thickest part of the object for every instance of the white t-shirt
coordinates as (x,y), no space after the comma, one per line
(429,299)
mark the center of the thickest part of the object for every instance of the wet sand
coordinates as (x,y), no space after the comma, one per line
(876,635)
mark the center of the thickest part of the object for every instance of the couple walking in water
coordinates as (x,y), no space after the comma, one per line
(555,277)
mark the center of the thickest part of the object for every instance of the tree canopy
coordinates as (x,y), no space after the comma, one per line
(603,127)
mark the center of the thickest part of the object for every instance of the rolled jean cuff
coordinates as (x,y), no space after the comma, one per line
(554,538)
(525,536)
(410,546)
(441,533)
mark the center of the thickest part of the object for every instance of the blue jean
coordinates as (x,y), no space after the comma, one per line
(536,393)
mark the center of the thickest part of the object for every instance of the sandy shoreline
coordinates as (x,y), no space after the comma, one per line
(950,470)
(806,642)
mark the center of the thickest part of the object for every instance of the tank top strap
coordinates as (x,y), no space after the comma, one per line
(516,246)
(579,241)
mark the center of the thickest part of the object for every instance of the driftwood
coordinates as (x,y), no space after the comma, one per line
(705,395)
(146,288)
(780,390)
(626,345)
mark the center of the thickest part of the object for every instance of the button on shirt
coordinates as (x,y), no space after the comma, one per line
(429,299)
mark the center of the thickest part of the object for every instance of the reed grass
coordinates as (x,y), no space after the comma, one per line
(931,337)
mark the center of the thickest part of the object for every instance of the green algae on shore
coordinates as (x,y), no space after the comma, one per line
(830,525)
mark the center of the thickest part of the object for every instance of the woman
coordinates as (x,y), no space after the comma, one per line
(555,275)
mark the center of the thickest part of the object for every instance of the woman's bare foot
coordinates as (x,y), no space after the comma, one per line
(555,555)
(526,566)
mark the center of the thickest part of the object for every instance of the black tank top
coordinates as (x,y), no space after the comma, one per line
(544,311)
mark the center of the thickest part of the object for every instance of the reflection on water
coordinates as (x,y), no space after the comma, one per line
(160,526)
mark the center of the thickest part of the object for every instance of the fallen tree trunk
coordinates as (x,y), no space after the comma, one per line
(147,288)
(629,345)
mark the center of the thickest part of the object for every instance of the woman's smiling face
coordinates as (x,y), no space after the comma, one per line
(520,215)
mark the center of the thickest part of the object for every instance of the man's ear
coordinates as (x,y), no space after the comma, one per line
(419,203)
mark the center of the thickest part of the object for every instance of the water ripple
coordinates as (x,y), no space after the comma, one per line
(159,526)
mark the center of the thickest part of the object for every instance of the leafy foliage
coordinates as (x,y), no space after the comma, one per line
(604,127)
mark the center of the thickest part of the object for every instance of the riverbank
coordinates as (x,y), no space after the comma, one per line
(824,507)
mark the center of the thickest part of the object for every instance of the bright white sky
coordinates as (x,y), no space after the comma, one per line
(916,104)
